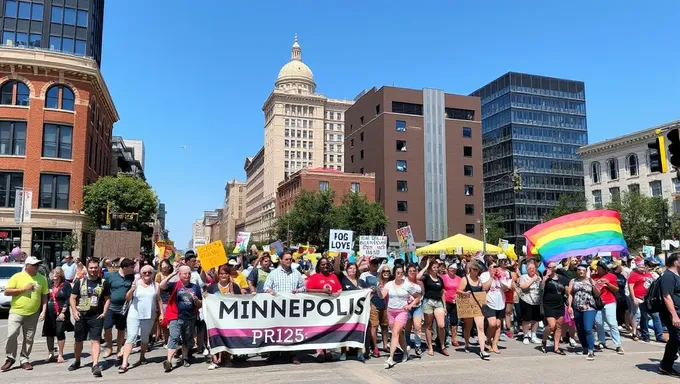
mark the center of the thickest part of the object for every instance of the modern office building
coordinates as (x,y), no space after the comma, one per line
(138,150)
(535,125)
(70,26)
(123,159)
(424,148)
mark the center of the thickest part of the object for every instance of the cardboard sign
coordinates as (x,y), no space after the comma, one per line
(212,255)
(406,241)
(373,246)
(114,244)
(467,307)
(242,240)
(341,240)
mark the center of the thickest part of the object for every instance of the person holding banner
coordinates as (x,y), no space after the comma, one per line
(323,281)
(350,282)
(401,296)
(225,287)
(473,284)
(375,279)
(416,314)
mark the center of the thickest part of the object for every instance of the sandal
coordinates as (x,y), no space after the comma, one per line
(560,352)
(50,358)
(122,369)
(142,361)
(430,352)
(543,349)
(445,352)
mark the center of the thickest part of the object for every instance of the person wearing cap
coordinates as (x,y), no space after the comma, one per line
(581,306)
(237,277)
(638,283)
(608,286)
(28,290)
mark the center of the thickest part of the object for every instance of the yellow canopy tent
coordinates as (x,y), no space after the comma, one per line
(451,245)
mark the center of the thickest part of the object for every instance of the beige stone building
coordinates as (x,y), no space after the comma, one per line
(234,209)
(302,129)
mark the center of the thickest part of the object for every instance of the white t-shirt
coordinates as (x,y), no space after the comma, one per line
(144,302)
(399,296)
(494,297)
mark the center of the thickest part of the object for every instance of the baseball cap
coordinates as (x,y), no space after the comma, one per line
(32,260)
(233,262)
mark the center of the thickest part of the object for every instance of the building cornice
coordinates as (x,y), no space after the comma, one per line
(630,139)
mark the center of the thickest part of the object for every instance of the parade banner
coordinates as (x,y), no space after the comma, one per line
(286,322)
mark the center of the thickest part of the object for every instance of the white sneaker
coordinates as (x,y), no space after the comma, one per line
(572,342)
(389,363)
(405,358)
(535,340)
(526,341)
(212,367)
(206,352)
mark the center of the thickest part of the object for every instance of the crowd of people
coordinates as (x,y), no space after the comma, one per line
(577,299)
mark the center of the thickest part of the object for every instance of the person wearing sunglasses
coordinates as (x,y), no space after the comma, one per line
(582,292)
(145,301)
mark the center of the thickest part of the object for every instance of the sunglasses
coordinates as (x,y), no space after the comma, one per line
(147,273)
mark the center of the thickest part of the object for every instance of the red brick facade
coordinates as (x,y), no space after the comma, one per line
(314,179)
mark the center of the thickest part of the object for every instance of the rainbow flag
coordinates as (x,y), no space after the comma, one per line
(577,234)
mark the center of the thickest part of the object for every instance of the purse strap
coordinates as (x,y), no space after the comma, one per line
(473,294)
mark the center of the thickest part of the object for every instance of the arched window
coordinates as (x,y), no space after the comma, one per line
(613,169)
(595,172)
(632,164)
(60,97)
(14,93)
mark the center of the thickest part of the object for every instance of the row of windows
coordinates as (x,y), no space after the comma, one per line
(300,134)
(334,137)
(57,140)
(325,186)
(533,102)
(298,110)
(332,158)
(304,144)
(532,84)
(333,148)
(533,118)
(632,167)
(655,190)
(23,10)
(534,133)
(298,123)
(300,155)
(69,16)
(331,127)
(417,109)
(17,93)
(53,193)
(330,115)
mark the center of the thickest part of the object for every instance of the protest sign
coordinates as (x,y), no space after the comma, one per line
(406,241)
(286,322)
(212,255)
(242,240)
(373,246)
(468,307)
(341,240)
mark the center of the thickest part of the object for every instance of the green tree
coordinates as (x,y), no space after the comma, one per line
(361,216)
(568,203)
(70,243)
(640,217)
(494,227)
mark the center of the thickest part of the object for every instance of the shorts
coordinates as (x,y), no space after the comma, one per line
(397,316)
(452,314)
(378,317)
(489,312)
(430,305)
(115,318)
(530,312)
(182,333)
(138,327)
(88,327)
(416,311)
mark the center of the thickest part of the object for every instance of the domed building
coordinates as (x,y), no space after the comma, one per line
(302,129)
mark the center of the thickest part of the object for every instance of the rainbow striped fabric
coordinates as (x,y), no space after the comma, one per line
(577,234)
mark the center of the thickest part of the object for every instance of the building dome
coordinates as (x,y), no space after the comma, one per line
(296,76)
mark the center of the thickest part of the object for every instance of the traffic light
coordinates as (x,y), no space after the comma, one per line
(657,154)
(674,146)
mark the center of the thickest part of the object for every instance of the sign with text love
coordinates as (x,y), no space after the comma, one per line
(243,324)
(211,255)
(373,246)
(341,240)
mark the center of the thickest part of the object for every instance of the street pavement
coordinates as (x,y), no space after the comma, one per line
(517,363)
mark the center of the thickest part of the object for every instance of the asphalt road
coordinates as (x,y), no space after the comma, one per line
(517,363)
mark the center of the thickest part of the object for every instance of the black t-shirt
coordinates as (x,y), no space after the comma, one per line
(433,288)
(621,282)
(101,294)
(347,284)
(62,296)
(554,291)
(670,285)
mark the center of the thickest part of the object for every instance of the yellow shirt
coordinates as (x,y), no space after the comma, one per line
(240,280)
(27,303)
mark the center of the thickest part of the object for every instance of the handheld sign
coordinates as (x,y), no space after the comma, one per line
(468,307)
(373,246)
(212,255)
(341,240)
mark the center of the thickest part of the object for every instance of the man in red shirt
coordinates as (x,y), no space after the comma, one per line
(608,286)
(638,284)
(323,281)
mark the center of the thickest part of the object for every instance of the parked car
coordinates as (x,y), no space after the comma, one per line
(6,271)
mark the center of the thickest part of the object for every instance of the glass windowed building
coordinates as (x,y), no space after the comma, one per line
(534,124)
(71,26)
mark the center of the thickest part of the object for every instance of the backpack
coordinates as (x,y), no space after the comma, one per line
(653,299)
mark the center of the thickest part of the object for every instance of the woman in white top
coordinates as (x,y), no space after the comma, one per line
(401,297)
(529,301)
(144,302)
(495,283)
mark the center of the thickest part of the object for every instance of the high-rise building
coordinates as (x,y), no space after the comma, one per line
(302,129)
(424,148)
(234,208)
(533,125)
(138,151)
(123,159)
(70,26)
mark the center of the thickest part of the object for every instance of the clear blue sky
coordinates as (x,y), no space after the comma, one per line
(196,73)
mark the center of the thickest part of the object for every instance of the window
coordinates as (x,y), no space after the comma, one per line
(401,146)
(467,170)
(9,183)
(377,109)
(361,170)
(82,19)
(634,188)
(402,224)
(361,154)
(351,143)
(613,169)
(469,209)
(407,108)
(469,190)
(10,9)
(676,185)
(60,97)
(80,48)
(351,159)
(57,140)
(323,186)
(22,39)
(467,151)
(34,40)
(597,199)
(401,126)
(402,186)
(595,172)
(89,152)
(469,229)
(655,188)
(57,15)
(361,137)
(467,132)
(460,114)
(12,138)
(632,165)
(8,38)
(615,194)
(401,165)
(55,43)
(37,12)
(354,187)
(24,10)
(12,88)
(361,119)
(69,16)
(402,206)
(54,191)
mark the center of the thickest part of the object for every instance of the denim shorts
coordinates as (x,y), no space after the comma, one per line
(138,327)
(431,304)
(416,311)
(182,333)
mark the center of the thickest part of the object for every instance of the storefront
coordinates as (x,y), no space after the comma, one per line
(9,239)
(47,245)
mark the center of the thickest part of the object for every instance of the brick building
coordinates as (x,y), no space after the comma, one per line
(56,120)
(425,148)
(320,179)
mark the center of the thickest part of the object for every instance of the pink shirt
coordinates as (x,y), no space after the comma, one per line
(450,287)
